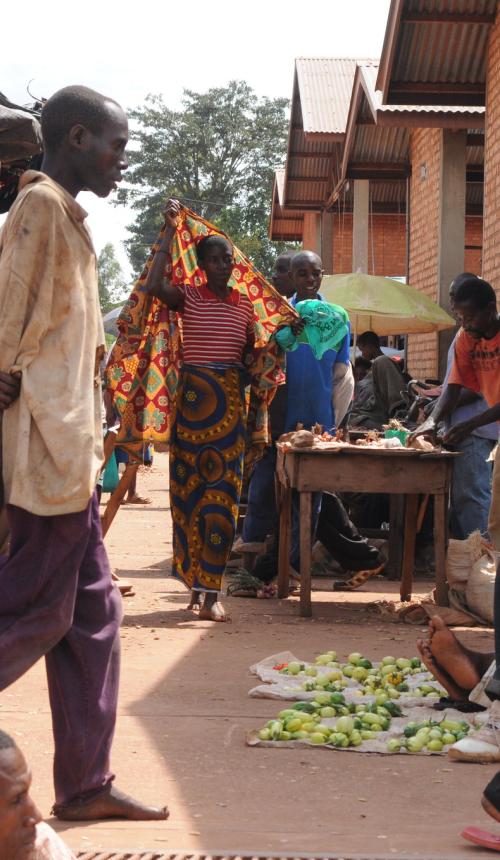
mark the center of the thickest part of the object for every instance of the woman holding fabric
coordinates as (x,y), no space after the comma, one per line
(208,436)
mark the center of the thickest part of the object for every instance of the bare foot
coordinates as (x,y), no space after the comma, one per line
(195,602)
(450,656)
(213,613)
(137,500)
(111,803)
(438,672)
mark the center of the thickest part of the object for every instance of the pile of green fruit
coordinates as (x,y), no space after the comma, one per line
(385,681)
(429,735)
(354,723)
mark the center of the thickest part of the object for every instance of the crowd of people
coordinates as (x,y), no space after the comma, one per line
(58,598)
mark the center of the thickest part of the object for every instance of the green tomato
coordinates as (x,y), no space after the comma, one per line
(312,671)
(447,738)
(288,712)
(323,698)
(393,746)
(367,734)
(388,661)
(293,725)
(325,730)
(355,738)
(416,663)
(317,738)
(354,658)
(300,735)
(435,745)
(338,739)
(415,745)
(309,726)
(322,660)
(344,725)
(403,663)
(328,712)
(347,671)
(265,735)
(285,736)
(294,668)
(360,674)
(435,734)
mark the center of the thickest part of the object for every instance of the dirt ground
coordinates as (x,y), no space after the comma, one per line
(184,711)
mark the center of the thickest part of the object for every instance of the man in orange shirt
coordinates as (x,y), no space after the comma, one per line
(477,367)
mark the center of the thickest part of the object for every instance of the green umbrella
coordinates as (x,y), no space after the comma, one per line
(384,305)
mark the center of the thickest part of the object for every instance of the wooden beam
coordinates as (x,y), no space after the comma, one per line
(418,93)
(377,170)
(475,173)
(448,18)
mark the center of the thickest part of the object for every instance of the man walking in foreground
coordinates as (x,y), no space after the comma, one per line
(58,599)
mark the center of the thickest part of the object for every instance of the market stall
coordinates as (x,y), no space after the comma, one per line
(339,466)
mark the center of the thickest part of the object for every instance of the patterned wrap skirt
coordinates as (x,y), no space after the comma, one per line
(207,448)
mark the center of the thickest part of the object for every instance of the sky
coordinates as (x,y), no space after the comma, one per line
(129,49)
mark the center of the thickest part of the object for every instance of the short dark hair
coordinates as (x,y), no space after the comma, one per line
(6,742)
(75,105)
(286,255)
(300,256)
(470,288)
(369,338)
(208,242)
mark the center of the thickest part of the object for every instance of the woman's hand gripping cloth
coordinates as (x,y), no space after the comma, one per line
(143,369)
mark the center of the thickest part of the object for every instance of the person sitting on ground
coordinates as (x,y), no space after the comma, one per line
(361,369)
(23,834)
(382,388)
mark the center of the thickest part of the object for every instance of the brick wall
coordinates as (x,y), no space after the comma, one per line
(386,244)
(491,238)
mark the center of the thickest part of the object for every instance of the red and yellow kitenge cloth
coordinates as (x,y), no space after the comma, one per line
(143,370)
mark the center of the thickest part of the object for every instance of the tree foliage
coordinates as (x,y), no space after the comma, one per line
(111,280)
(217,155)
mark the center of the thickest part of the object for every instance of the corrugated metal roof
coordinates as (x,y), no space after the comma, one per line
(325,86)
(447,51)
(284,224)
(370,73)
(380,144)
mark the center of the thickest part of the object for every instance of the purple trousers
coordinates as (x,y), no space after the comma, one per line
(57,600)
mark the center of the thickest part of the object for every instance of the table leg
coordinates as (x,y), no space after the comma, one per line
(396,536)
(440,544)
(410,533)
(285,511)
(305,554)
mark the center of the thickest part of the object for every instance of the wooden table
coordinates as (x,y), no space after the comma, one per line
(400,473)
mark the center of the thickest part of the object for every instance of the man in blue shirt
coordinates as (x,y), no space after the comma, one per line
(316,391)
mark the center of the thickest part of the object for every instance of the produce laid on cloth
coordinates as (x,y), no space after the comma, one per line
(358,705)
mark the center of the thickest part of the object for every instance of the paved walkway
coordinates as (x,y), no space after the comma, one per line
(184,711)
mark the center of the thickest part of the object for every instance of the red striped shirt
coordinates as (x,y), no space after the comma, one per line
(215,330)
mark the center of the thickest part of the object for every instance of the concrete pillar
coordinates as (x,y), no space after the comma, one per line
(311,236)
(451,233)
(327,242)
(360,224)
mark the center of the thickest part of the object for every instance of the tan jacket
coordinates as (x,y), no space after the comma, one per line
(51,330)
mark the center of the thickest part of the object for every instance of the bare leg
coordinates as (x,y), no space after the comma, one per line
(212,610)
(463,666)
(111,803)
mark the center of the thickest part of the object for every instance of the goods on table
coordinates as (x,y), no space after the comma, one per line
(316,439)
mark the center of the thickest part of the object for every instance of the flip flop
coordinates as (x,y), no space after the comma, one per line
(357,580)
(481,837)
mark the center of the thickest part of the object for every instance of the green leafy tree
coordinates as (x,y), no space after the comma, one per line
(217,155)
(112,284)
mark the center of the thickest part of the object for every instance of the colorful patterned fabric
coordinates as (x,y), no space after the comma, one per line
(143,370)
(206,471)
